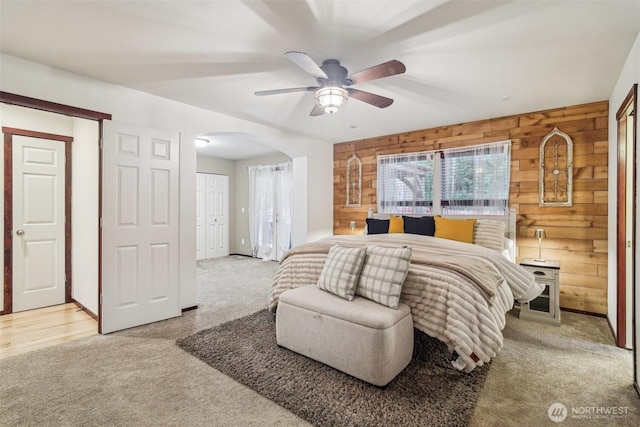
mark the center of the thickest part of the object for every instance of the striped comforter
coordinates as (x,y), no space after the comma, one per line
(459,293)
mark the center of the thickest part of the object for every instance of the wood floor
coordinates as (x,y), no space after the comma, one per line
(35,329)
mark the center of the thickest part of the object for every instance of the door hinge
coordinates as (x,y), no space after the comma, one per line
(101,139)
(100,222)
(100,299)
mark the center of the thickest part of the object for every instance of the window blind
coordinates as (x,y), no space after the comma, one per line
(475,180)
(464,181)
(405,183)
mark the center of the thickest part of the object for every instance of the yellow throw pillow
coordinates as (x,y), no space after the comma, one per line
(455,229)
(396,224)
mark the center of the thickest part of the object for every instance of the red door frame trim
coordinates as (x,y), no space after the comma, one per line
(9,133)
(53,107)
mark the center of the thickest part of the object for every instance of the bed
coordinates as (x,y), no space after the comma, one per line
(458,292)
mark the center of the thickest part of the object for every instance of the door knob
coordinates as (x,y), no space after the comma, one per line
(20,232)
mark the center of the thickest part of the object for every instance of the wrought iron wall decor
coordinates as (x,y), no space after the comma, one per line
(354,181)
(556,169)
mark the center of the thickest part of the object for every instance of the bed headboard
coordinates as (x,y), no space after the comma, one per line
(509,220)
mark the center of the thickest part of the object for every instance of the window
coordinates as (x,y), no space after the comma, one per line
(405,183)
(475,180)
(464,181)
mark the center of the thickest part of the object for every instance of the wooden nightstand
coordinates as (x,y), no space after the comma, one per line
(546,307)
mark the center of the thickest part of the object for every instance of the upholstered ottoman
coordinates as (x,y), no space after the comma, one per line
(361,338)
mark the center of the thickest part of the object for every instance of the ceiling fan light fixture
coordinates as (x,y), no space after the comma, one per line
(331,98)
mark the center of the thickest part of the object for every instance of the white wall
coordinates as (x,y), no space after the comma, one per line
(300,202)
(208,164)
(319,197)
(129,106)
(629,75)
(85,212)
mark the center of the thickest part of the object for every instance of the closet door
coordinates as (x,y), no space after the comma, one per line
(216,215)
(220,193)
(201,231)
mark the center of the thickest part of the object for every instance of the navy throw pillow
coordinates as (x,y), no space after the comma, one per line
(377,226)
(425,225)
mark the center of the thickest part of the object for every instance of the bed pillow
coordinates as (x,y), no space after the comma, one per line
(341,270)
(396,224)
(489,234)
(383,274)
(455,229)
(377,226)
(425,225)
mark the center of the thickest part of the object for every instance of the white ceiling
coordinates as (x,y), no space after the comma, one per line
(466,60)
(234,146)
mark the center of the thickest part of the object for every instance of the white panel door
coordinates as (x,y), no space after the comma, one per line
(210,223)
(220,193)
(38,222)
(201,230)
(140,227)
(216,213)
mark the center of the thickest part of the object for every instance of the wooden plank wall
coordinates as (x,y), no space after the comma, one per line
(576,235)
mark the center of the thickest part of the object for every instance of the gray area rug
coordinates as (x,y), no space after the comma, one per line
(429,392)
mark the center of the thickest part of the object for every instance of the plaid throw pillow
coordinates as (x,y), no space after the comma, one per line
(340,272)
(383,274)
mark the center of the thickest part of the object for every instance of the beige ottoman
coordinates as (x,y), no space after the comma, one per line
(361,338)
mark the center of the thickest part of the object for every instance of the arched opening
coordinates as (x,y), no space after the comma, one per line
(231,154)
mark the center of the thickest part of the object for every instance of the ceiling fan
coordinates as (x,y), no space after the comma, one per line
(334,83)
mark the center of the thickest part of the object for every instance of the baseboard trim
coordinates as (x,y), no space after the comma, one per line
(85,309)
(193,307)
(613,333)
(588,313)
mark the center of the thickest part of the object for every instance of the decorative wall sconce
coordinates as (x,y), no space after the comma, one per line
(556,169)
(354,181)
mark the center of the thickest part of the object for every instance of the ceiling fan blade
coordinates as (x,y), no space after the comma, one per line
(303,61)
(293,89)
(317,111)
(370,98)
(386,69)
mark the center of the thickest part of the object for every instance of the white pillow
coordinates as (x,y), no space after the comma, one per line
(508,244)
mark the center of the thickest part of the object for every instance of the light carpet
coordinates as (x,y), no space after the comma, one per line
(139,377)
(429,392)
